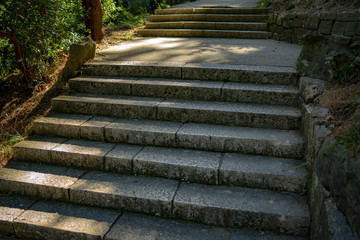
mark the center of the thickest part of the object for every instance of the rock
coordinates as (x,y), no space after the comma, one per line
(286,35)
(297,34)
(327,57)
(328,15)
(312,22)
(333,225)
(298,22)
(80,52)
(338,28)
(325,26)
(310,88)
(350,28)
(338,170)
(348,16)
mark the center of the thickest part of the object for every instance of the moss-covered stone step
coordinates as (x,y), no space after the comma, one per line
(244,26)
(182,164)
(263,141)
(214,205)
(204,33)
(195,71)
(23,217)
(187,89)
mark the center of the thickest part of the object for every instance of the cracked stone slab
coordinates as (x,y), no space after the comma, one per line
(61,125)
(94,129)
(142,132)
(103,85)
(225,113)
(132,193)
(11,207)
(81,153)
(187,165)
(242,207)
(56,220)
(121,157)
(134,226)
(258,93)
(262,172)
(36,149)
(107,105)
(38,180)
(272,142)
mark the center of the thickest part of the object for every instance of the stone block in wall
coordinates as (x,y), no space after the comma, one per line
(333,224)
(286,35)
(310,88)
(325,26)
(337,169)
(297,34)
(288,23)
(348,16)
(312,21)
(338,28)
(298,22)
(280,19)
(358,29)
(350,28)
(328,16)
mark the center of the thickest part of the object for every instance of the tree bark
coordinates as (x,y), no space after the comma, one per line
(19,57)
(93,18)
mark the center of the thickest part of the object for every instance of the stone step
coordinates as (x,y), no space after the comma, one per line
(210,17)
(180,110)
(204,33)
(213,205)
(195,71)
(212,11)
(263,141)
(187,89)
(245,26)
(37,219)
(181,164)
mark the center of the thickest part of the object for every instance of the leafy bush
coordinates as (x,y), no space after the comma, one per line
(43,29)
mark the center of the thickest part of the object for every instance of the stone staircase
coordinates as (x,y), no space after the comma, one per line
(208,22)
(157,151)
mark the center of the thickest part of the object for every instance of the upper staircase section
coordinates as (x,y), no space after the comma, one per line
(208,22)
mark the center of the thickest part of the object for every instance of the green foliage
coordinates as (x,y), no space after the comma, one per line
(7,144)
(263,4)
(44,28)
(289,4)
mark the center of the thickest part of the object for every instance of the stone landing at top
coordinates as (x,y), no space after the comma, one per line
(217,3)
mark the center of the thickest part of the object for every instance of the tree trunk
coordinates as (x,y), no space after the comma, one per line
(19,58)
(93,18)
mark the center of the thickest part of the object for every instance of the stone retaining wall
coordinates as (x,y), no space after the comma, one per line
(333,189)
(290,27)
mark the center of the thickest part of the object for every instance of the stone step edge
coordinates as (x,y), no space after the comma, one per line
(195,71)
(154,196)
(181,110)
(173,134)
(234,26)
(181,89)
(23,221)
(204,33)
(214,10)
(217,169)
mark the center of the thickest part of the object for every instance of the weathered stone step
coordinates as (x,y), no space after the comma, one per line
(195,71)
(271,142)
(210,17)
(245,26)
(214,205)
(188,89)
(182,164)
(204,33)
(180,110)
(212,11)
(37,219)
